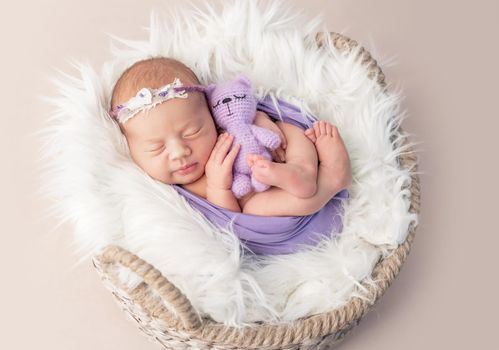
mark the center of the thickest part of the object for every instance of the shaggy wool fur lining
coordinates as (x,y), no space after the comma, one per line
(109,200)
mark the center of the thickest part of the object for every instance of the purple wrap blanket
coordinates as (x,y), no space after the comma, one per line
(265,235)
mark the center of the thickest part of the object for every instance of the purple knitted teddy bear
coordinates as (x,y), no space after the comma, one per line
(234,108)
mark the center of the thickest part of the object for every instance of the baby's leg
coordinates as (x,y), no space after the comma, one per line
(334,175)
(298,175)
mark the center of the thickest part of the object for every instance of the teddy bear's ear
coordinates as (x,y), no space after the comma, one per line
(241,78)
(210,87)
(208,90)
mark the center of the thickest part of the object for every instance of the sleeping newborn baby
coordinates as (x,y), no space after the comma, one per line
(175,141)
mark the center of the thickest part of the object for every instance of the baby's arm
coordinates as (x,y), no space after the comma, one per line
(223,198)
(218,171)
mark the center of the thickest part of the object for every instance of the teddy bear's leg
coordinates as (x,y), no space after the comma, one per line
(259,186)
(241,184)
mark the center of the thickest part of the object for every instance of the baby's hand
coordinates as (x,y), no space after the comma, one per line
(263,120)
(218,169)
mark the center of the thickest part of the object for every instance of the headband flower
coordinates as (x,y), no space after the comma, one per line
(148,98)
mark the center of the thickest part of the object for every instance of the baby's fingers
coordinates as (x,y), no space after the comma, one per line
(229,160)
(222,147)
(283,139)
(281,154)
(220,140)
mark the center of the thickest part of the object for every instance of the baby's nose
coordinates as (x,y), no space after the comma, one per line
(179,150)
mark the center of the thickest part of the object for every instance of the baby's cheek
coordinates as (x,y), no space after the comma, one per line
(206,150)
(156,170)
(202,162)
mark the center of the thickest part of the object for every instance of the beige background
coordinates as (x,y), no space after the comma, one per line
(447,56)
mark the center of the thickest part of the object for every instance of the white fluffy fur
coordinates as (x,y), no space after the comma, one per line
(98,188)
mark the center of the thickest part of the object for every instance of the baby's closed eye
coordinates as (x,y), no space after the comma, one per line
(155,148)
(192,133)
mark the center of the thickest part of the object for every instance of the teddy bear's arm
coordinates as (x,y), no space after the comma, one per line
(267,138)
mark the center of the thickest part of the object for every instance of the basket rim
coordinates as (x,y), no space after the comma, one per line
(184,317)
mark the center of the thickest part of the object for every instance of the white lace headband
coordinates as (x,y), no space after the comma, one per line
(148,98)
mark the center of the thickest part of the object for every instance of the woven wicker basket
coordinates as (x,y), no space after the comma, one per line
(167,316)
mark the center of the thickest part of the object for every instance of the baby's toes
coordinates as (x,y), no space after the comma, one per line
(322,127)
(249,160)
(317,129)
(263,163)
(310,133)
(337,135)
(261,172)
(336,132)
(329,129)
(252,158)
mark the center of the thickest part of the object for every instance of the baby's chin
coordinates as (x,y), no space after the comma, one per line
(196,177)
(178,179)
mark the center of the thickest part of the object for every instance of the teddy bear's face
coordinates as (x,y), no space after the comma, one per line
(232,103)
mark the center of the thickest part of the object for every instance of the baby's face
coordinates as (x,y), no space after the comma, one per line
(174,134)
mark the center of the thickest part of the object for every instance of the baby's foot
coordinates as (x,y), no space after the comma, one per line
(334,162)
(300,181)
(252,158)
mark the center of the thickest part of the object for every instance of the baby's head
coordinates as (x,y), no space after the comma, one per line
(173,134)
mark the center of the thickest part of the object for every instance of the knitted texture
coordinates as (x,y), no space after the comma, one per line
(233,107)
